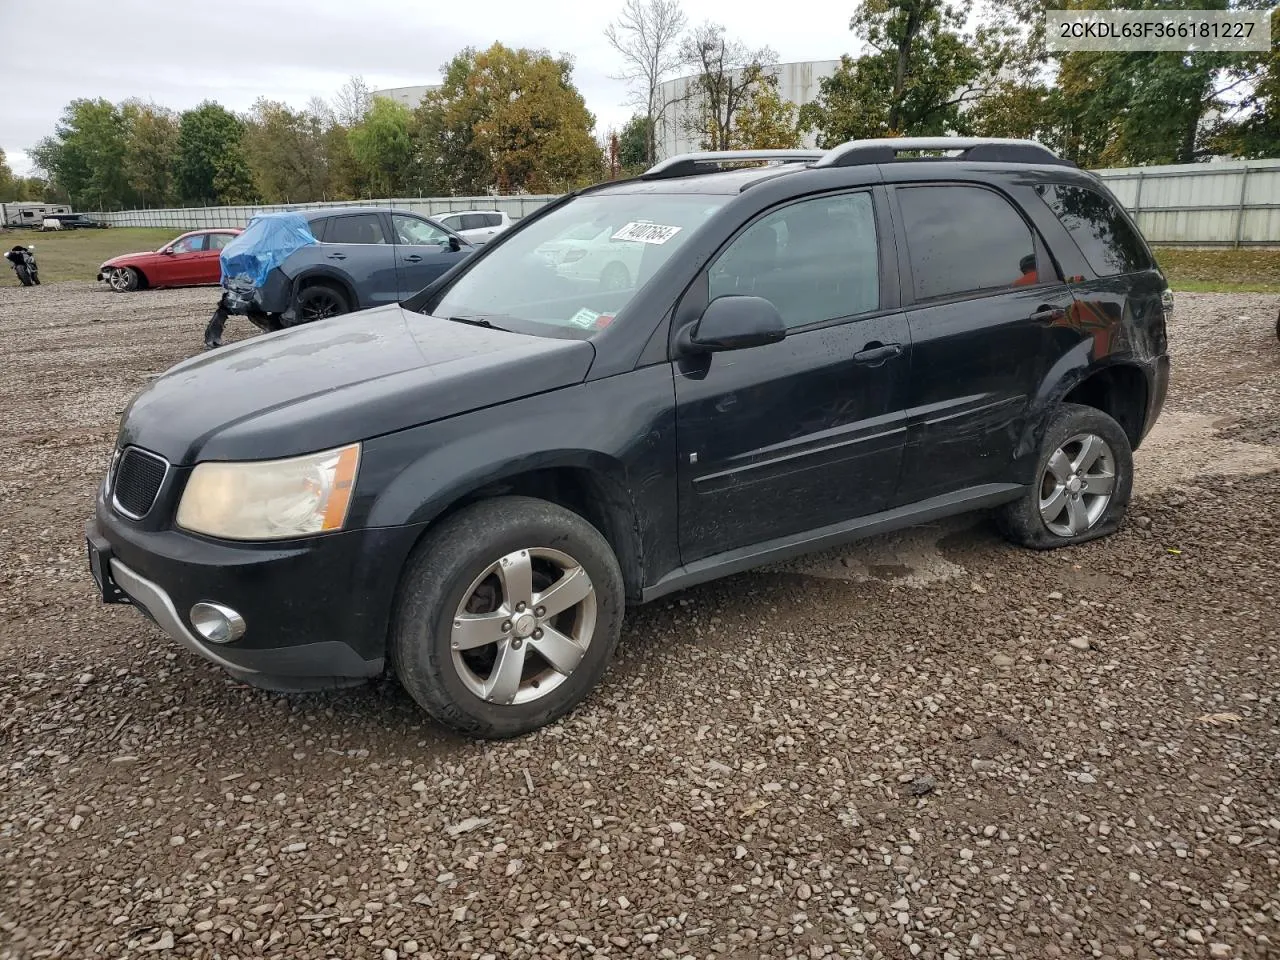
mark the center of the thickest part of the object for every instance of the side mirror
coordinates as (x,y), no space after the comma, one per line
(167,251)
(734,323)
(454,244)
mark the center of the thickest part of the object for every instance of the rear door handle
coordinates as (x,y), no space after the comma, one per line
(1046,313)
(337,256)
(413,258)
(878,352)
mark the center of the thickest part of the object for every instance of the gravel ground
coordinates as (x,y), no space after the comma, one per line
(933,745)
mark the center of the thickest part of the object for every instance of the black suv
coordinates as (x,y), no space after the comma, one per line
(471,485)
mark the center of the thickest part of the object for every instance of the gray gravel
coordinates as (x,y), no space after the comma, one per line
(970,751)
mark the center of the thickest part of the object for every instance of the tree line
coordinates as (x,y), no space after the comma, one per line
(511,120)
(959,67)
(504,120)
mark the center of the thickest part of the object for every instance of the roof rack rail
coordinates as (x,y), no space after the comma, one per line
(989,149)
(688,164)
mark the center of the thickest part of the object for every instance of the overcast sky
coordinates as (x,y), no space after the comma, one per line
(179,52)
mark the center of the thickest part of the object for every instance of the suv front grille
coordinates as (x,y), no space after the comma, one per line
(138,479)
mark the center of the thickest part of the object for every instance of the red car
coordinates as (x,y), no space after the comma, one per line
(189,261)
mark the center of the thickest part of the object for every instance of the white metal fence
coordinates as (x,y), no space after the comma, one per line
(197,218)
(1226,203)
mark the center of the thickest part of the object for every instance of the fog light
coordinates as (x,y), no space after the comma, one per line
(216,623)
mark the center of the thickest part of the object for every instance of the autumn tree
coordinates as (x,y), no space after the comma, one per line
(646,36)
(767,121)
(151,151)
(285,150)
(383,147)
(211,166)
(727,74)
(507,119)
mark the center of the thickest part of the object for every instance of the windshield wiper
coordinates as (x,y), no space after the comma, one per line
(478,322)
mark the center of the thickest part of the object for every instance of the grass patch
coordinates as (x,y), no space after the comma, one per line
(1247,270)
(77,254)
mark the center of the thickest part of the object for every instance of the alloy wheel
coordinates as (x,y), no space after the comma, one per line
(1077,485)
(523,625)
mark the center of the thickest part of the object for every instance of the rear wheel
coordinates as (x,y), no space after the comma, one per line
(124,279)
(1084,478)
(24,276)
(507,617)
(319,302)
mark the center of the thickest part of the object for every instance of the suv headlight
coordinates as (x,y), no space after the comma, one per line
(271,499)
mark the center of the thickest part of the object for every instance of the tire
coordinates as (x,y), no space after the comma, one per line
(1050,513)
(124,280)
(451,567)
(24,276)
(319,301)
(35,278)
(615,276)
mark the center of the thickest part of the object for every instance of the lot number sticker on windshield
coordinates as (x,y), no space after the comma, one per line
(584,318)
(646,232)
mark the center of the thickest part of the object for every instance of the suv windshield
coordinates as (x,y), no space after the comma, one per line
(568,273)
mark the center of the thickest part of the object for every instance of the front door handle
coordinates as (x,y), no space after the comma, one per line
(413,258)
(877,353)
(337,256)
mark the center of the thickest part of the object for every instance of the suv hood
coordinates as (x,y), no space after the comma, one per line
(337,381)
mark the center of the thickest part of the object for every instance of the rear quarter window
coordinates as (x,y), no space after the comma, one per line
(1099,228)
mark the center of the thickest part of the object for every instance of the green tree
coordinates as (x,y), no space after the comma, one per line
(151,149)
(211,165)
(510,120)
(286,151)
(922,70)
(8,182)
(766,121)
(383,147)
(633,143)
(85,155)
(1252,130)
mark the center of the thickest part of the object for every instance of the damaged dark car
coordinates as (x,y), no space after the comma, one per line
(469,485)
(297,267)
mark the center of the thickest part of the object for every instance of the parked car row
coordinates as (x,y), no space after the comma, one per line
(368,256)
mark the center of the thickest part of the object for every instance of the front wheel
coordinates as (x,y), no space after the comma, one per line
(507,616)
(124,279)
(1084,478)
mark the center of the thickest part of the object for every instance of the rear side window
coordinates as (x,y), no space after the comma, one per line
(361,228)
(1101,231)
(473,221)
(453,223)
(318,228)
(965,240)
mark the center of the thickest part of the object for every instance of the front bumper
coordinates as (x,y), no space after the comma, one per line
(317,611)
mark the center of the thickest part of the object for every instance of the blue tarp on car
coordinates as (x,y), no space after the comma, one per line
(266,243)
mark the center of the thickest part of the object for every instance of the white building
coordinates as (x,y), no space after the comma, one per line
(797,82)
(411,97)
